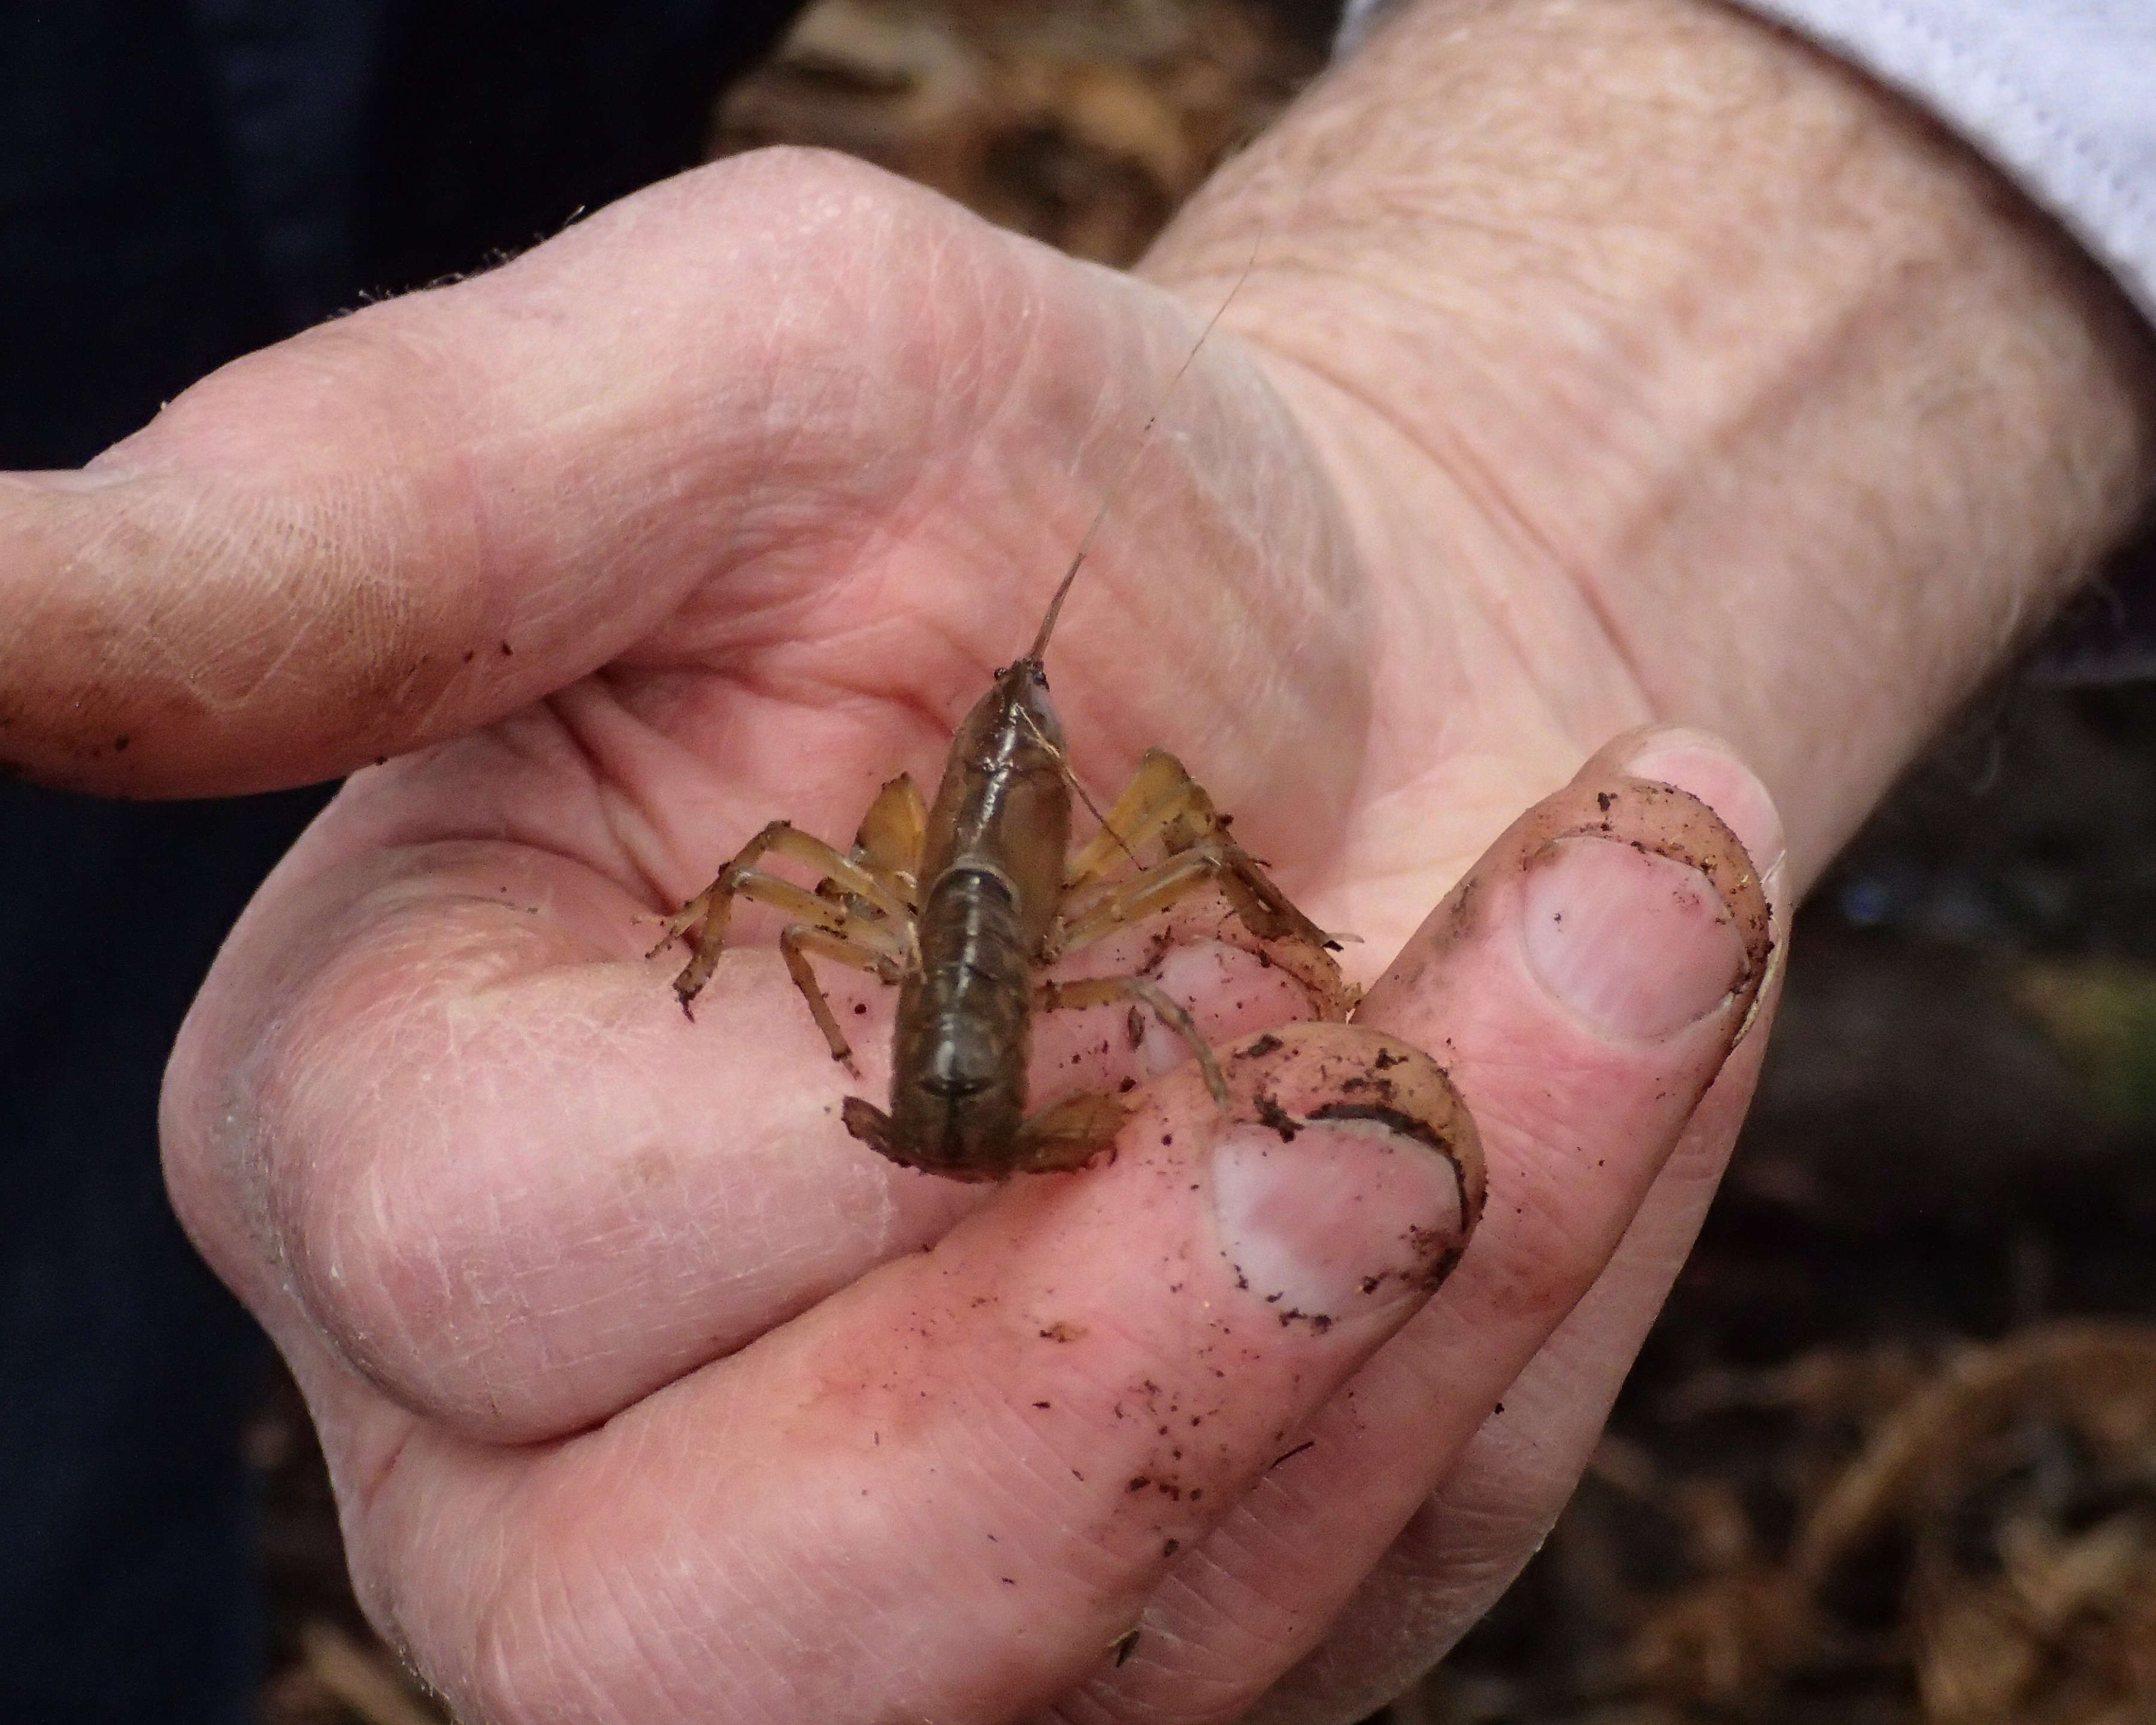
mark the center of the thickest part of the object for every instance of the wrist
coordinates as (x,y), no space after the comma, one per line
(1774,409)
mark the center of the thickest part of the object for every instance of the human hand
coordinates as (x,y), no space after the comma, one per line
(721,560)
(607,1324)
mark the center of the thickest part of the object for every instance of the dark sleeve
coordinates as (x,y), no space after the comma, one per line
(181,180)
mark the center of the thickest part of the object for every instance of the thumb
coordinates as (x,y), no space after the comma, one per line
(403,525)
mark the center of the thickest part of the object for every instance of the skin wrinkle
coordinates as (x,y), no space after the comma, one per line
(697,839)
(421,1261)
(265,536)
(947,484)
(1493,502)
(1476,483)
(892,557)
(636,1617)
(984,662)
(388,1228)
(582,713)
(240,1145)
(1237,1624)
(672,1630)
(1028,1505)
(495,1669)
(1227,1598)
(369,1487)
(1248,1625)
(102,556)
(327,533)
(1266,681)
(1030,1492)
(317,1237)
(1001,379)
(518,839)
(742,1596)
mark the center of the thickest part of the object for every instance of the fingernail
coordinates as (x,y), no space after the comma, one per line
(1711,771)
(1724,783)
(1639,945)
(1331,1220)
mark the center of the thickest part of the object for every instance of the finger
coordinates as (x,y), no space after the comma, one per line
(1584,994)
(408,521)
(460,1121)
(959,1479)
(1467,1543)
(404,524)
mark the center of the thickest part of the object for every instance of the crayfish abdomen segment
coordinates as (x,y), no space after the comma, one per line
(958,1090)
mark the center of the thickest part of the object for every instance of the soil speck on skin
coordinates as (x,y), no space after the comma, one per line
(1060,1331)
(1272,1115)
(1426,1242)
(1263,1046)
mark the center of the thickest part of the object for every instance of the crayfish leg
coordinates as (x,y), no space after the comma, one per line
(1101,990)
(889,841)
(703,921)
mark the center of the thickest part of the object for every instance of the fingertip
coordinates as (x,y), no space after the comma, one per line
(1703,766)
(1357,1184)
